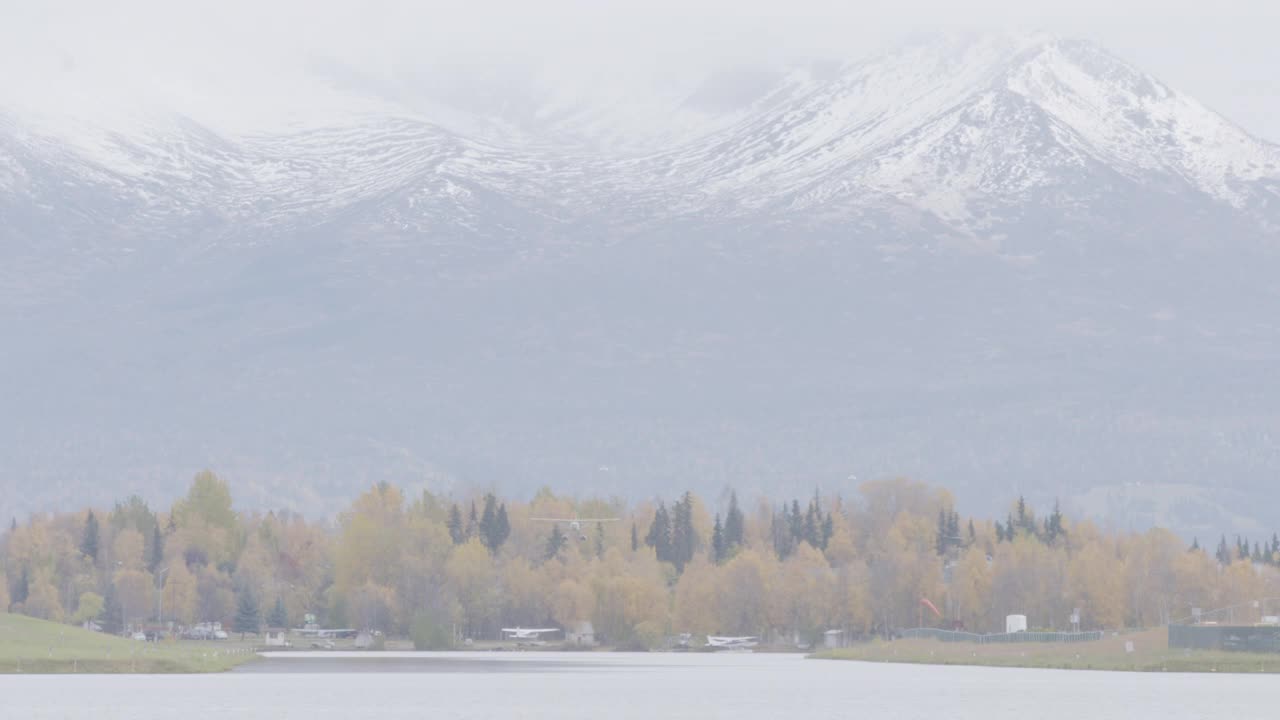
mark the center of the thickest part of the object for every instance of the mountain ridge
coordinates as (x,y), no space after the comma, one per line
(1006,264)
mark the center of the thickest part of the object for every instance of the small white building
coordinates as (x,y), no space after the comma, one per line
(583,634)
(832,639)
(1015,623)
(276,637)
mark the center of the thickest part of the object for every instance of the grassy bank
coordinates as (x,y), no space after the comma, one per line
(28,645)
(1151,653)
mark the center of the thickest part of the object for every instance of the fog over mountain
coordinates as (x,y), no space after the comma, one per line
(1003,262)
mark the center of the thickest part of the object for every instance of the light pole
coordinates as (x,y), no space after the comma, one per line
(160,595)
(124,611)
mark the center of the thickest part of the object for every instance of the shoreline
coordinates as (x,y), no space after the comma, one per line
(1146,651)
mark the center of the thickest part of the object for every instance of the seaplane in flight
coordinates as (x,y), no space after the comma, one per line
(741,644)
(575,523)
(528,637)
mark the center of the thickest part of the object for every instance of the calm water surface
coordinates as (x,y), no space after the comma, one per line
(599,686)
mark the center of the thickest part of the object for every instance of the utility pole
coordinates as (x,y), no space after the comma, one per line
(124,609)
(160,595)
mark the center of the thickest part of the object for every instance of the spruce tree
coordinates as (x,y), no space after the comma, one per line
(599,540)
(112,614)
(940,533)
(1223,554)
(796,523)
(89,541)
(635,538)
(247,618)
(683,538)
(734,531)
(659,536)
(812,525)
(783,540)
(502,527)
(489,522)
(156,551)
(556,542)
(717,541)
(973,534)
(457,533)
(1195,545)
(828,529)
(278,617)
(473,522)
(23,589)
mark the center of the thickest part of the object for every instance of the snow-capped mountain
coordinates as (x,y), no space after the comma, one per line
(1005,262)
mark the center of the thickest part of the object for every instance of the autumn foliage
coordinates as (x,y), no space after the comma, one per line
(444,569)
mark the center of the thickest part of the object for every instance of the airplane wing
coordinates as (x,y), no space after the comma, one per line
(597,519)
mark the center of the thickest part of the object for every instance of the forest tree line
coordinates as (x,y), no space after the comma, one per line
(440,569)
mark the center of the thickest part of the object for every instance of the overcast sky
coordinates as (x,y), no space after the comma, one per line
(1225,53)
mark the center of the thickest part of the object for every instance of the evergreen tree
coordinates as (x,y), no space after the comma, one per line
(684,540)
(556,542)
(635,538)
(941,541)
(489,522)
(1010,530)
(599,540)
(717,541)
(473,522)
(1223,554)
(23,589)
(659,537)
(783,540)
(796,524)
(1257,553)
(155,555)
(812,525)
(734,524)
(973,534)
(457,532)
(828,529)
(502,526)
(278,617)
(1053,528)
(1195,545)
(112,614)
(953,528)
(1023,518)
(89,541)
(999,532)
(247,618)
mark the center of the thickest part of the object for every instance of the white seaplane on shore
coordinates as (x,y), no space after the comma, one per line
(740,644)
(528,637)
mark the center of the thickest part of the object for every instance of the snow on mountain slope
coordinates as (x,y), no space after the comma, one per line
(957,128)
(949,126)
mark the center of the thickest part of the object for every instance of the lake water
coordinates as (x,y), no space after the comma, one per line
(599,686)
